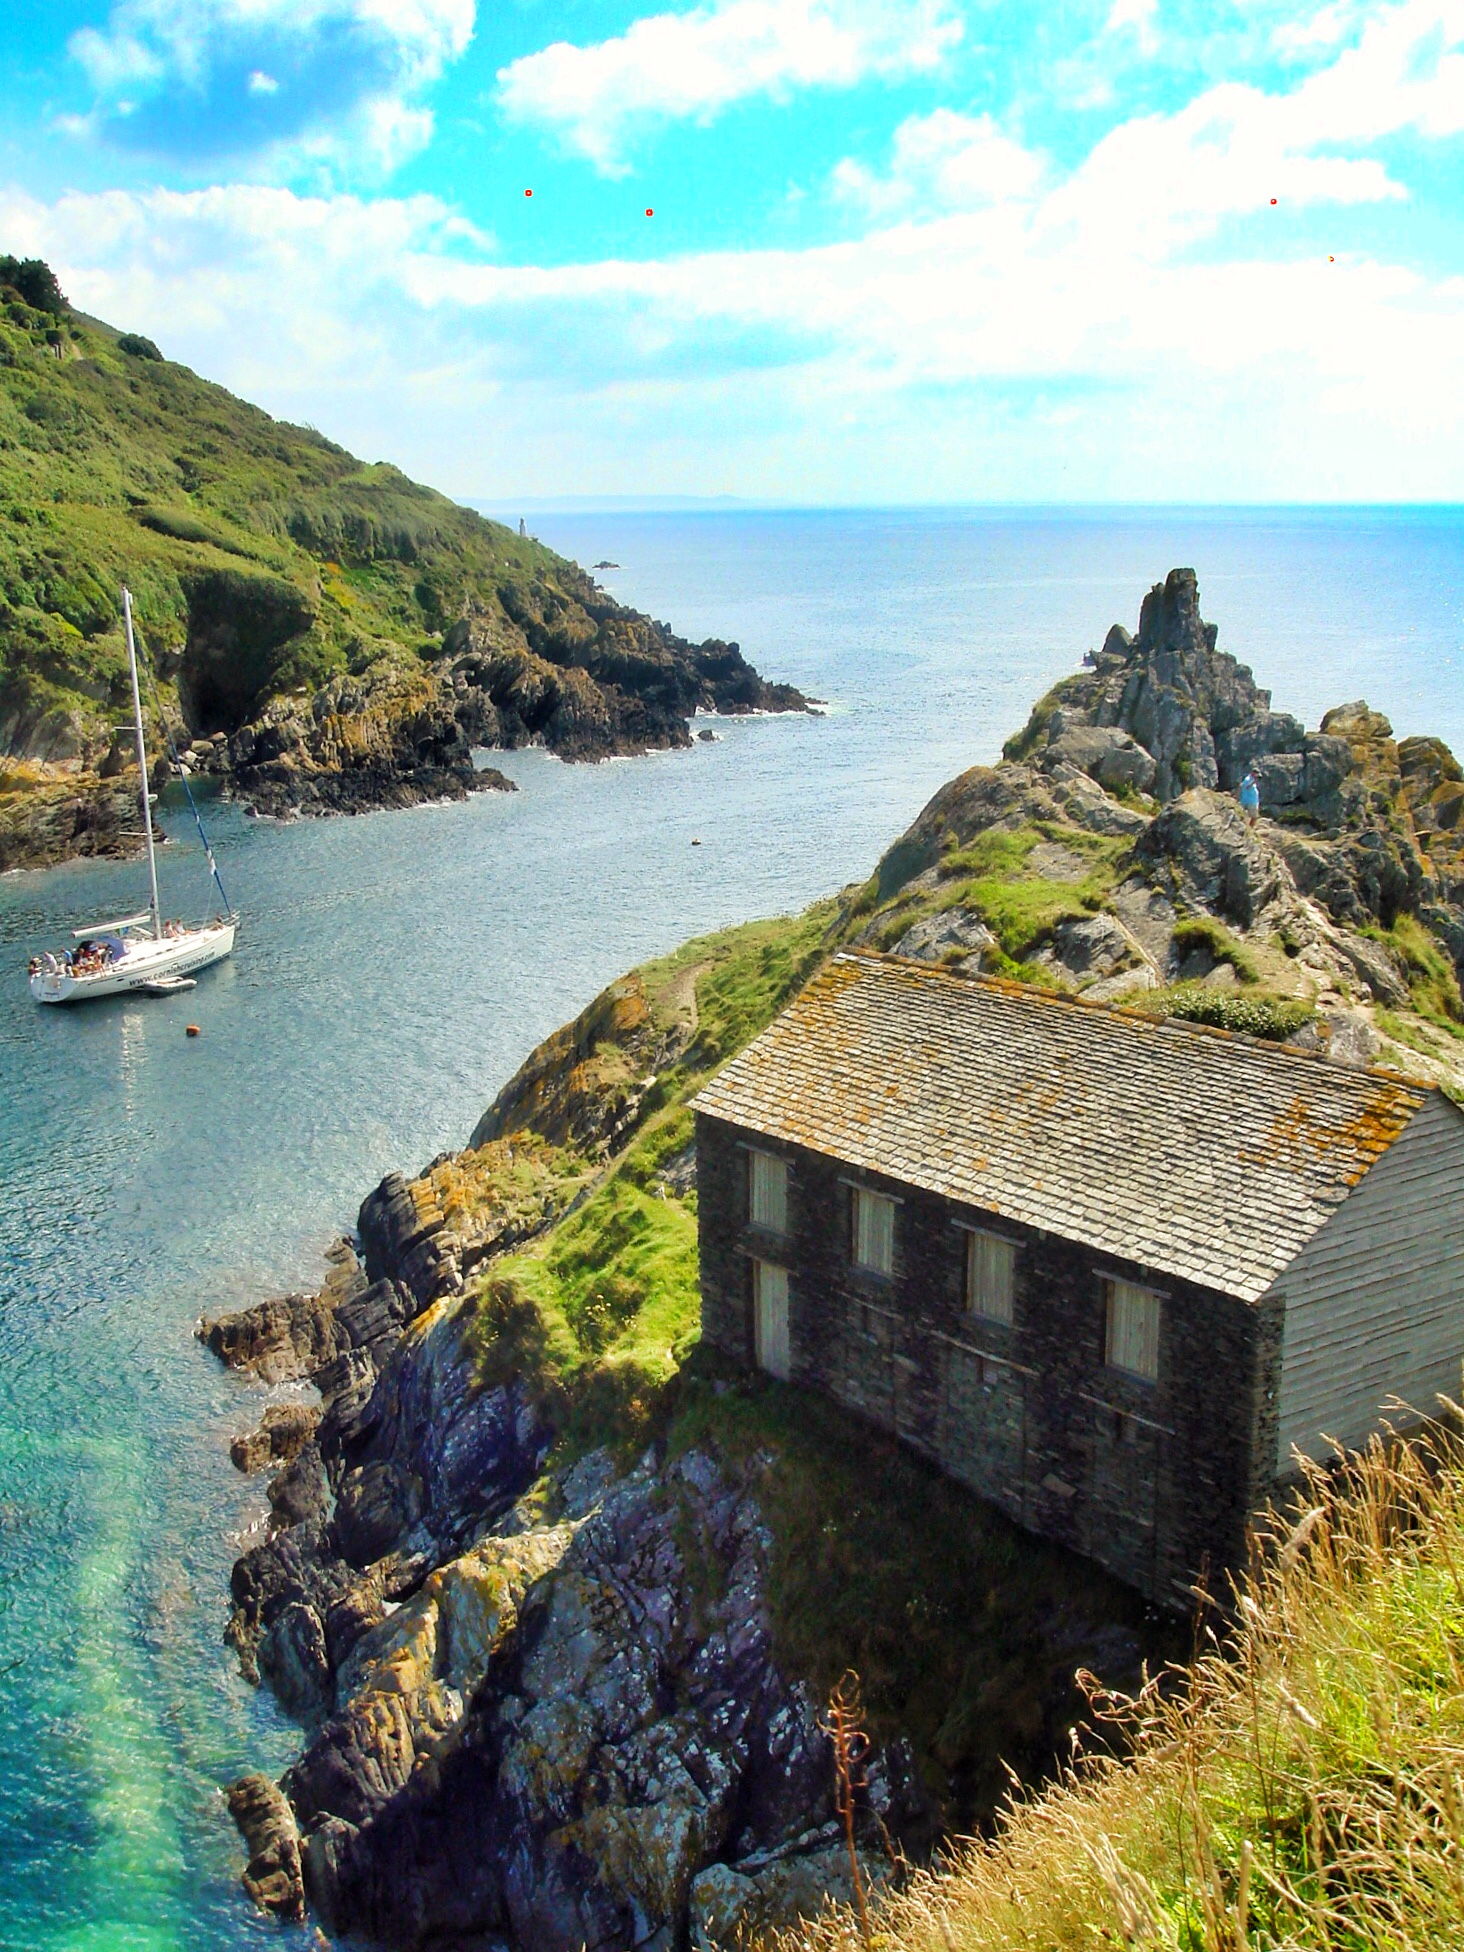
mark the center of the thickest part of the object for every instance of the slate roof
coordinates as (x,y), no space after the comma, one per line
(1191,1152)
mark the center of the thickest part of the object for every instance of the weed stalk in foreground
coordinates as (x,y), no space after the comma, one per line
(843,1724)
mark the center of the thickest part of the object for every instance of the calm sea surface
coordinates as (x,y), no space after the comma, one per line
(391,972)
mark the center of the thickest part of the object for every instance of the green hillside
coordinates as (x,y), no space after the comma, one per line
(262,559)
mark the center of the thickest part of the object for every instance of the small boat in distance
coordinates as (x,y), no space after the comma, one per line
(137,952)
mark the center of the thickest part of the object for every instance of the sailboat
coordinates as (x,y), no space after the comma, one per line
(137,952)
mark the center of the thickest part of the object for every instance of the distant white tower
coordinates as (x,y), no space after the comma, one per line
(523,530)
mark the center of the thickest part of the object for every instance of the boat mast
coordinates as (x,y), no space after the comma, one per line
(152,859)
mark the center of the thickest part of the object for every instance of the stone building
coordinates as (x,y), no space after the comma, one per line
(1108,1271)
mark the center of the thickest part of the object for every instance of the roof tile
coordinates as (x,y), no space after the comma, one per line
(1199,1155)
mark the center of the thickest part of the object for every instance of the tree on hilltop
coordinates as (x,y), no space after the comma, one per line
(33,280)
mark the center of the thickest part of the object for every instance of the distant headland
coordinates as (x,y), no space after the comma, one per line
(326,635)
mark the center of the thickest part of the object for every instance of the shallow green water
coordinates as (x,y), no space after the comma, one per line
(390,973)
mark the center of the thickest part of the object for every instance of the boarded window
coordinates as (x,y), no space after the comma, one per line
(1133,1329)
(768,1192)
(770,1317)
(991,1264)
(874,1231)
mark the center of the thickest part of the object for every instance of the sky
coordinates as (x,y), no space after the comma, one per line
(808,251)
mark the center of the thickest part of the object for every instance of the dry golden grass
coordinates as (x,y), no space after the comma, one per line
(1299,1785)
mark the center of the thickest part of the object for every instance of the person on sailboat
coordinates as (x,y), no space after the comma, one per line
(136,952)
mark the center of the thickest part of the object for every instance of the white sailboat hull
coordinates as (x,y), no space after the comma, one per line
(146,962)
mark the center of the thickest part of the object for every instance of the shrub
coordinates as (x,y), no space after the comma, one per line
(35,282)
(1272,1017)
(134,344)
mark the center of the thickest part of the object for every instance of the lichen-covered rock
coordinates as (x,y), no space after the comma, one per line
(1087,948)
(282,1433)
(731,1909)
(583,1085)
(290,1336)
(1106,753)
(431,1446)
(950,935)
(588,1715)
(279,1340)
(1205,855)
(267,1824)
(57,812)
(300,1493)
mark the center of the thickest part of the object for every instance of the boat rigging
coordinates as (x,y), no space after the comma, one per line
(138,952)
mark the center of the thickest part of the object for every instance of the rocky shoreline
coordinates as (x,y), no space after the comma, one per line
(534,1569)
(392,738)
(326,635)
(541,1710)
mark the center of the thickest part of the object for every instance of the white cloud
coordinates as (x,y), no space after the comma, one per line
(1000,329)
(1327,27)
(1137,17)
(679,66)
(165,71)
(148,40)
(940,162)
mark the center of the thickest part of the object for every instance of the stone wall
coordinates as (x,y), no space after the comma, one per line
(1156,1481)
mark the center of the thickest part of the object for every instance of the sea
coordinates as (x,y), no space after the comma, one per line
(392,970)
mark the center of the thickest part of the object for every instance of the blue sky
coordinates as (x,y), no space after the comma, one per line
(901,250)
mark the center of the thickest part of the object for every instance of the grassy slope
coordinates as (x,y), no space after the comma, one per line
(116,466)
(1299,1788)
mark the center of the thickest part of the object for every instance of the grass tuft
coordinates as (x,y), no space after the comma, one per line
(1273,1017)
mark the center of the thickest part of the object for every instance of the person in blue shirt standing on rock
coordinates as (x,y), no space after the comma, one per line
(1250,796)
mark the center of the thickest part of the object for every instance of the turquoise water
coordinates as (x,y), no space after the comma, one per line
(391,971)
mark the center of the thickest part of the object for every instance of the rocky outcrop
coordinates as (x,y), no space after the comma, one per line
(559,1722)
(1190,708)
(404,731)
(283,1432)
(583,1086)
(354,747)
(1354,826)
(51,813)
(584,1717)
(267,1824)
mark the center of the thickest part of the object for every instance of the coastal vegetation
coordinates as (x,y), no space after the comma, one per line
(324,632)
(1295,1784)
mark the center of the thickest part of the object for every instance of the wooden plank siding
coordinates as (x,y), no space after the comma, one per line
(1374,1303)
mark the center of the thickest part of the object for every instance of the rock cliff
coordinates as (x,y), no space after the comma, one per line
(1108,853)
(559,1604)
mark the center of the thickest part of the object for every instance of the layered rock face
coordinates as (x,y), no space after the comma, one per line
(587,1716)
(48,814)
(553,1722)
(405,732)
